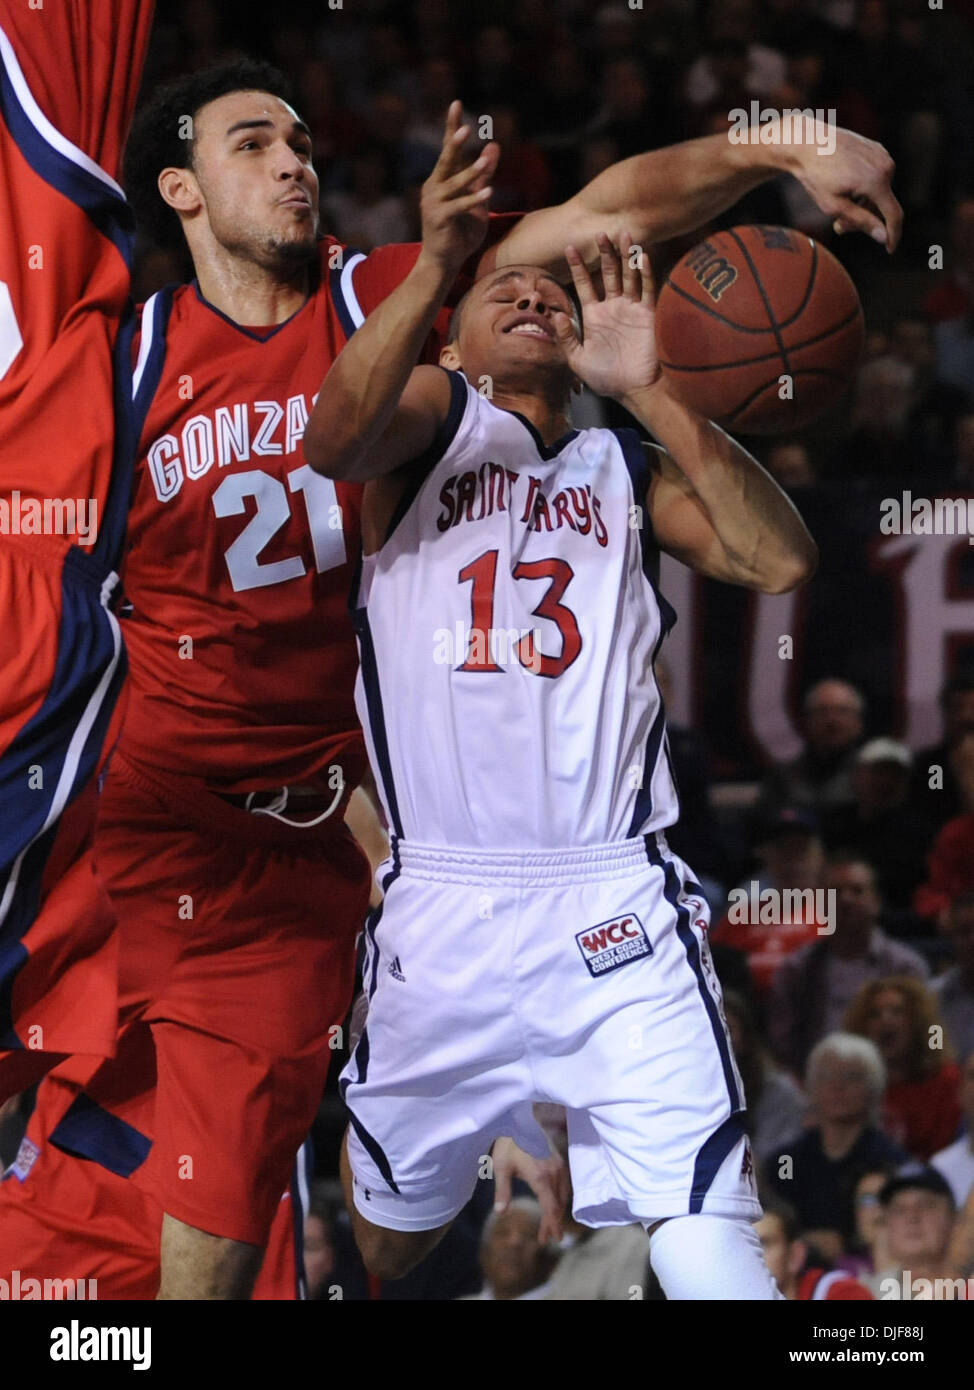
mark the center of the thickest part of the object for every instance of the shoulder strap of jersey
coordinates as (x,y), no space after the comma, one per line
(640,473)
(419,469)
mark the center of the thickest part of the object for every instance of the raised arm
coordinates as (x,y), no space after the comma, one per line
(377,409)
(711,504)
(669,192)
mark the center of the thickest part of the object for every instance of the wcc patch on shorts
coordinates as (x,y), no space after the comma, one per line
(614,943)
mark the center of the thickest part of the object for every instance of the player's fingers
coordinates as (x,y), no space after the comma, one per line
(609,265)
(482,168)
(892,214)
(565,331)
(629,259)
(580,277)
(854,217)
(551,1210)
(457,206)
(453,137)
(502,1185)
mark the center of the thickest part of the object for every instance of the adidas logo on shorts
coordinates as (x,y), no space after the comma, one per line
(395,970)
(613,944)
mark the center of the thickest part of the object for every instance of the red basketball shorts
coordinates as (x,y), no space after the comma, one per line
(236,960)
(82,1231)
(61,670)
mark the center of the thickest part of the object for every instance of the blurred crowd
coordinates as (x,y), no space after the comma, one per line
(853,1016)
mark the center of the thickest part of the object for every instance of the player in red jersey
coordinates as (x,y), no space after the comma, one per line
(241,721)
(68,79)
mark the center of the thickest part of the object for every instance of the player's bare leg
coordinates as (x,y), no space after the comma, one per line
(197,1265)
(386,1254)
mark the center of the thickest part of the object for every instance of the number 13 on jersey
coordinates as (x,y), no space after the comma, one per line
(482,574)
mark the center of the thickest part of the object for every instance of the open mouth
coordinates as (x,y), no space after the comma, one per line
(531,326)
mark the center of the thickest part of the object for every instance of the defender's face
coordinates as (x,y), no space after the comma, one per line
(252,161)
(509,321)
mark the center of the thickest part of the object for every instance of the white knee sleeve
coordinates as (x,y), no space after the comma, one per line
(710,1257)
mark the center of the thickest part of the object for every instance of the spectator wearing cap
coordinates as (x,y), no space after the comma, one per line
(794,1267)
(921,1109)
(956,1161)
(955,988)
(919,1209)
(821,776)
(818,1169)
(816,984)
(791,860)
(867,1252)
(943,800)
(880,824)
(775,1104)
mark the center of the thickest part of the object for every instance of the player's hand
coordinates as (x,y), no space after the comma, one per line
(453,202)
(853,186)
(547,1178)
(617,352)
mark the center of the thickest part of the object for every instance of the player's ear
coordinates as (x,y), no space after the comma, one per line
(450,357)
(178,188)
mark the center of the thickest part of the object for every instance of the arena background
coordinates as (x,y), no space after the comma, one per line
(573,86)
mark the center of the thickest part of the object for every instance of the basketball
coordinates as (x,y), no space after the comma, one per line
(759,328)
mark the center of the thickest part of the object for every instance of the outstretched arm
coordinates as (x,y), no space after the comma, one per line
(711,504)
(377,409)
(671,191)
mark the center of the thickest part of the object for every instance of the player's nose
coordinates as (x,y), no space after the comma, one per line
(532,302)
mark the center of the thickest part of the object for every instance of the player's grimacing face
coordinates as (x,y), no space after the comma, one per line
(252,161)
(509,321)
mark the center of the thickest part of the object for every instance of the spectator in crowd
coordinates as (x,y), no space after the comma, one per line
(919,1209)
(610,1264)
(559,103)
(515,1266)
(964,450)
(730,26)
(935,405)
(921,1109)
(817,1171)
(631,113)
(790,464)
(319,1248)
(935,788)
(794,1266)
(950,304)
(954,989)
(867,1250)
(521,182)
(369,214)
(821,775)
(879,443)
(775,1105)
(792,861)
(815,986)
(950,863)
(696,837)
(956,1161)
(881,824)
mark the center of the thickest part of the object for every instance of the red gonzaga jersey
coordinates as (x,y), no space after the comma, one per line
(241,557)
(69,73)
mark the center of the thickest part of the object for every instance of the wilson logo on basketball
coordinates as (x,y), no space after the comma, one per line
(712,271)
(610,944)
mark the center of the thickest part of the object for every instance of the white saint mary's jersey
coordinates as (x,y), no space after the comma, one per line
(507,632)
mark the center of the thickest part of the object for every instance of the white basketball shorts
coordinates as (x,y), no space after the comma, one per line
(580,977)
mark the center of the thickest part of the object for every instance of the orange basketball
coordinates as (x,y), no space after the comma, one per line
(759,328)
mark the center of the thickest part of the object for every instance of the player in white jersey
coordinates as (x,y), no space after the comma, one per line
(538,941)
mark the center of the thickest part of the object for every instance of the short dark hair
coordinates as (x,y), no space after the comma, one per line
(158,140)
(786,1214)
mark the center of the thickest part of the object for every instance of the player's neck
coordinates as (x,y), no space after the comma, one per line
(250,294)
(551,418)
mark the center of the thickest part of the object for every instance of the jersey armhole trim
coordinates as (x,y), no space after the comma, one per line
(59,162)
(640,474)
(350,312)
(420,467)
